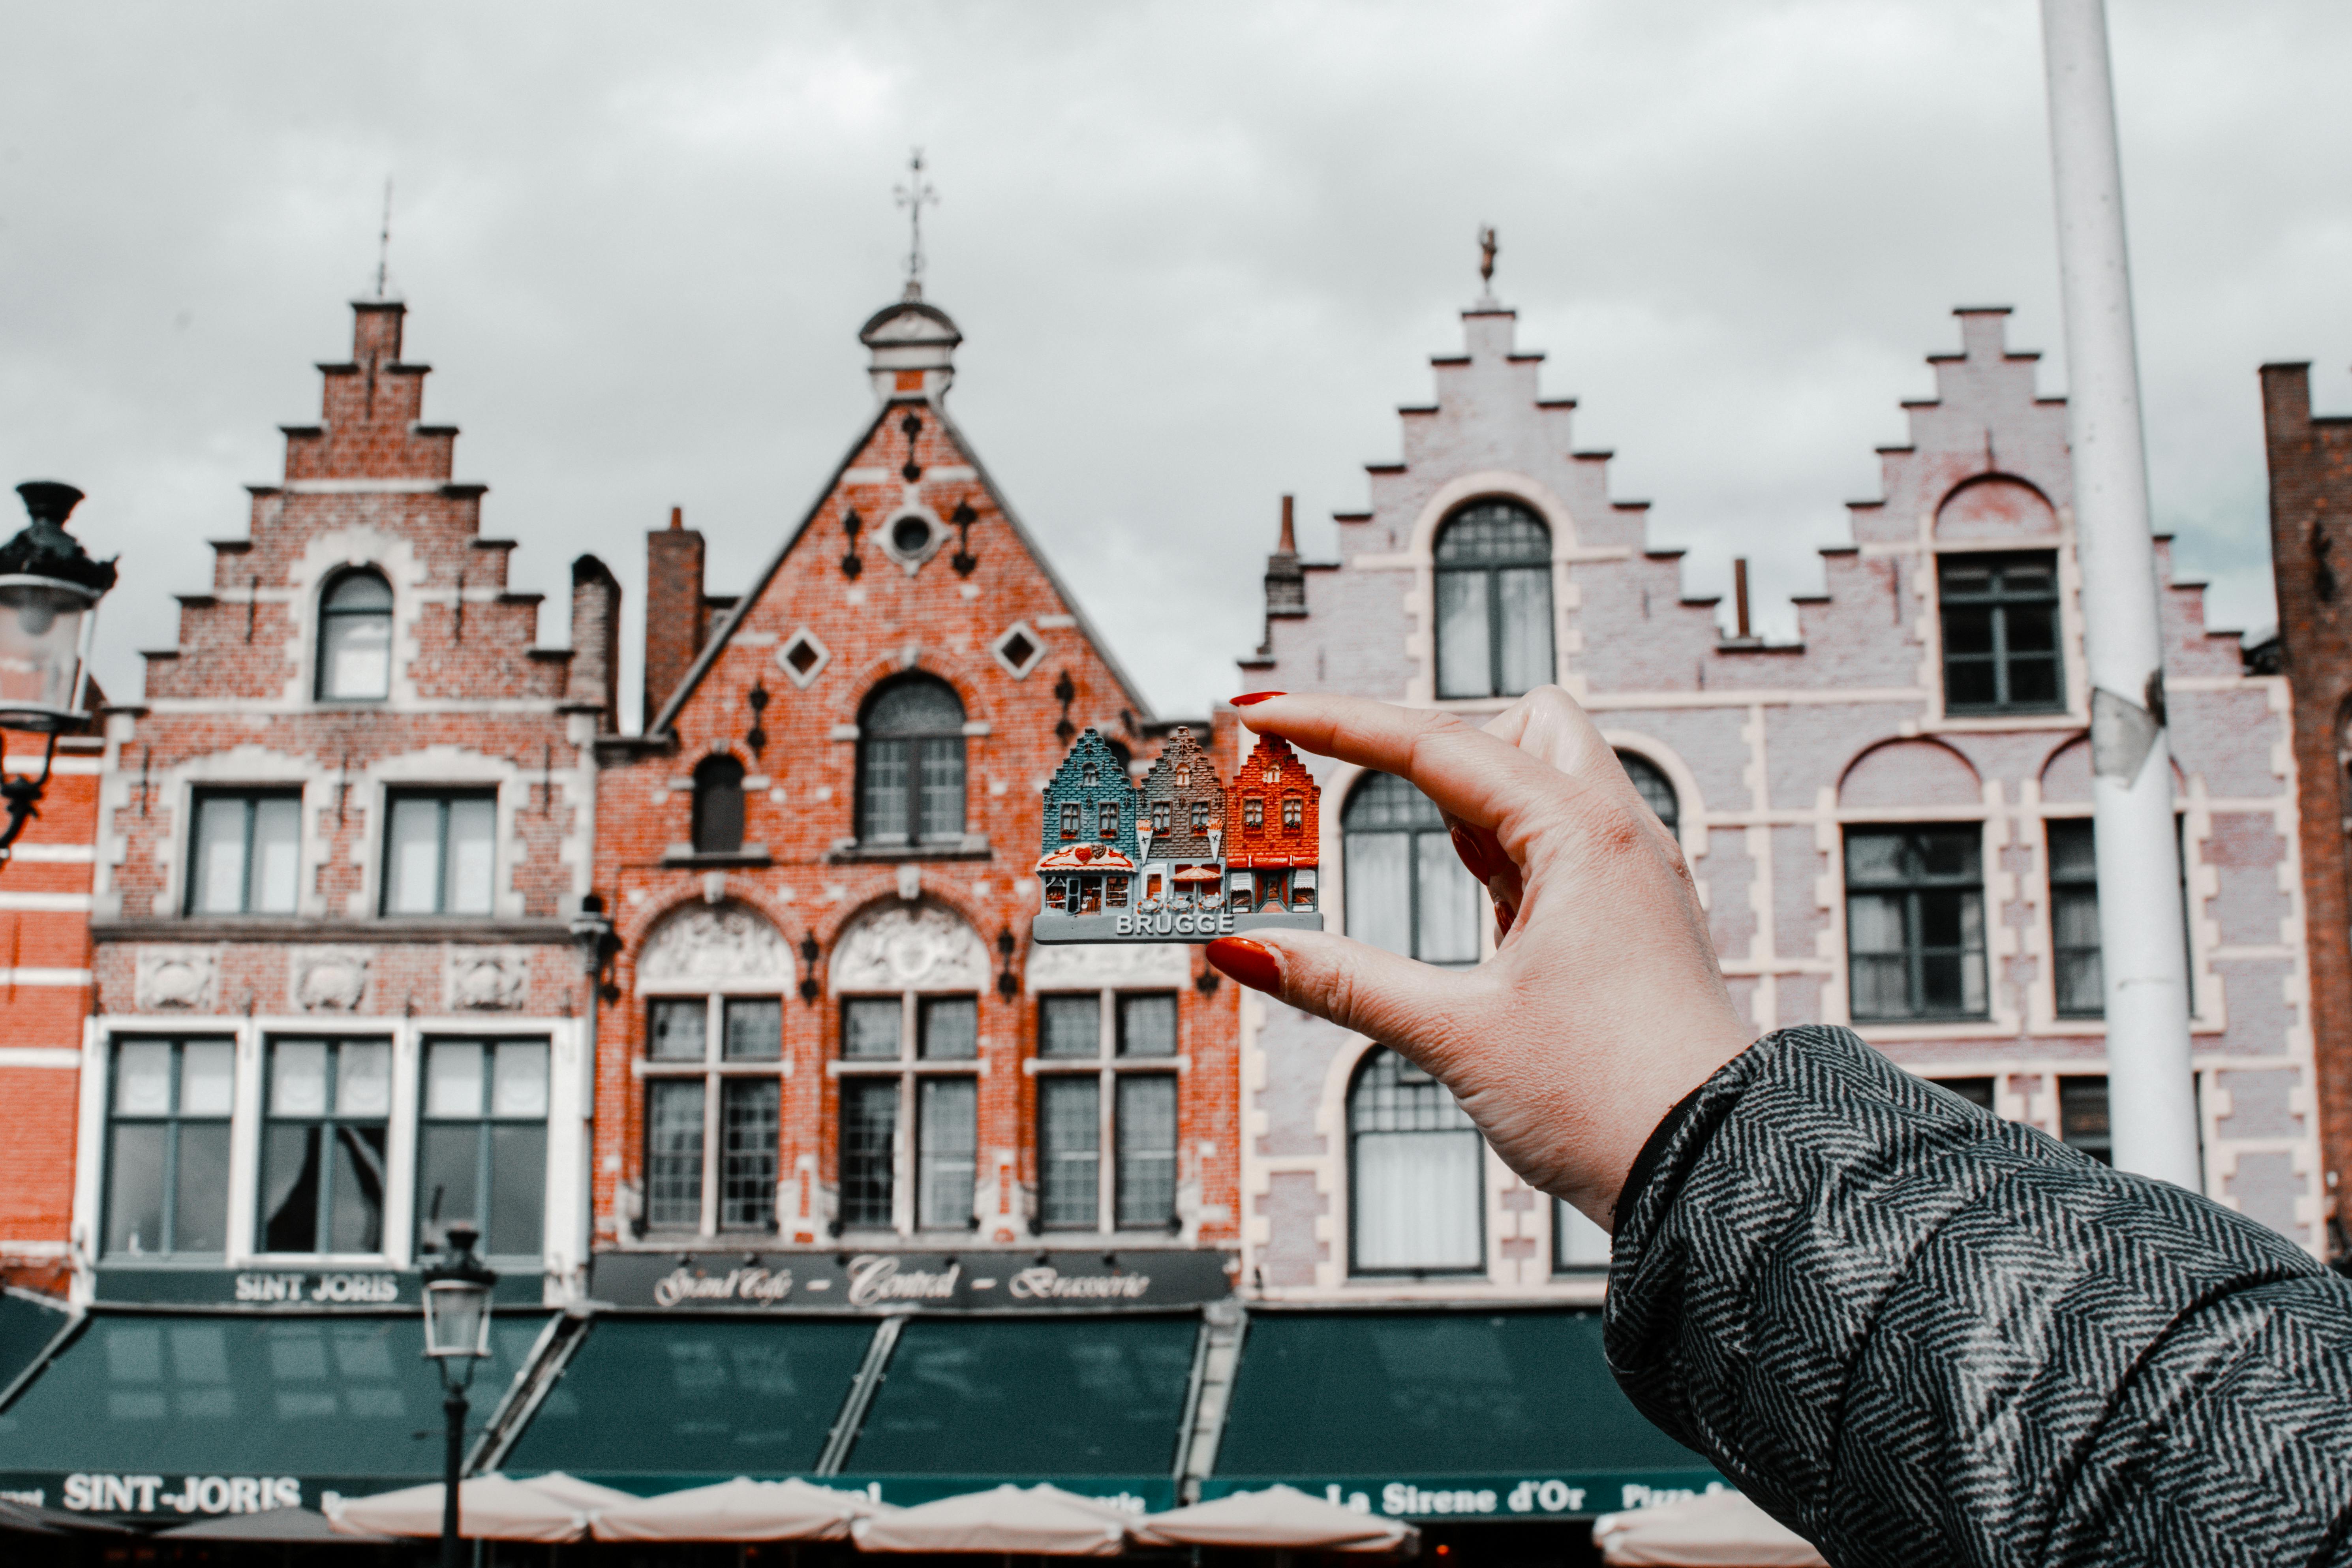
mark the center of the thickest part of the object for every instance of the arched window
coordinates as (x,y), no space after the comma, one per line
(1414,1181)
(718,806)
(1407,889)
(1493,602)
(910,765)
(1657,792)
(355,638)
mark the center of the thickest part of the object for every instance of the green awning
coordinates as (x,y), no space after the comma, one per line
(1508,1415)
(27,1323)
(178,1414)
(1095,1403)
(653,1405)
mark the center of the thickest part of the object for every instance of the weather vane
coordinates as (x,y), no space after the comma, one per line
(1487,249)
(383,242)
(914,195)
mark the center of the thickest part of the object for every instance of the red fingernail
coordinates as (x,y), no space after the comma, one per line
(1245,700)
(1250,962)
(1474,856)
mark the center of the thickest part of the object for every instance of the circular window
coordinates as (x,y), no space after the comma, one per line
(910,535)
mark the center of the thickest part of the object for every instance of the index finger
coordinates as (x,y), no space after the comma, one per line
(1479,777)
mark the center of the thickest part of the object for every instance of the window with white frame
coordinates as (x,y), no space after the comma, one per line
(1914,922)
(355,638)
(168,1147)
(481,1144)
(1105,1083)
(1494,601)
(909,1108)
(714,1109)
(328,1105)
(440,852)
(2078,988)
(1407,889)
(1415,1174)
(247,852)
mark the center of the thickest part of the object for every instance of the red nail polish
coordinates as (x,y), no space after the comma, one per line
(1250,962)
(1473,856)
(1245,700)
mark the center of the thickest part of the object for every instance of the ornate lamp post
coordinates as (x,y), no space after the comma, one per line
(457,1336)
(49,586)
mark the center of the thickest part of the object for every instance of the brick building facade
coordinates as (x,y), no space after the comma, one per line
(2310,460)
(337,1006)
(832,1031)
(1888,820)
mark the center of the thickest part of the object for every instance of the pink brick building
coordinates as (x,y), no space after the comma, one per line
(1887,819)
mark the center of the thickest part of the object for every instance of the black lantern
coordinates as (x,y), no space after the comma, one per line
(457,1336)
(49,586)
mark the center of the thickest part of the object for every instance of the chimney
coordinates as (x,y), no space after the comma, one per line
(596,641)
(676,616)
(1740,597)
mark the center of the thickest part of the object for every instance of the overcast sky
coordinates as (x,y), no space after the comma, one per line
(1199,253)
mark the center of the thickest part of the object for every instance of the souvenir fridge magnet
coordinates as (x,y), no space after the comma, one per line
(1185,858)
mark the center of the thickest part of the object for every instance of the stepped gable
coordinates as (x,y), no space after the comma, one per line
(1181,790)
(1089,808)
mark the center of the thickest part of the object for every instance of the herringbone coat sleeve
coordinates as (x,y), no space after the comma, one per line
(1920,1334)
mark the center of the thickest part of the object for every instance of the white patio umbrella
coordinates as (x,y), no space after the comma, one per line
(1276,1519)
(1041,1520)
(738,1510)
(1721,1529)
(554,1506)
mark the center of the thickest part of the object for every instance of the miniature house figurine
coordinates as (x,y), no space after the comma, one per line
(1180,858)
(1271,833)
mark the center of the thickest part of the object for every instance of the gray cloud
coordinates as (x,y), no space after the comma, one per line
(1199,253)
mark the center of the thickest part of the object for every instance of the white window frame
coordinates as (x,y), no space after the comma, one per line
(1107,1066)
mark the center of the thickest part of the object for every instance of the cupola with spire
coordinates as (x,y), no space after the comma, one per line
(913,344)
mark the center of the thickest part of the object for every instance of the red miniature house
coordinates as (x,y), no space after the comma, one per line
(1272,832)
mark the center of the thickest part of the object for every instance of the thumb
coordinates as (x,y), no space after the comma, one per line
(1365,990)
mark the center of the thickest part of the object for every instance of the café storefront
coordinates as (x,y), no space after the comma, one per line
(1134,1376)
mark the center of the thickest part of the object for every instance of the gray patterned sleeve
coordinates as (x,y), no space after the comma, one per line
(1920,1334)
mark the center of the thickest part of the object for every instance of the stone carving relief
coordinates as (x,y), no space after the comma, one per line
(486,979)
(715,945)
(918,947)
(327,979)
(1077,966)
(174,978)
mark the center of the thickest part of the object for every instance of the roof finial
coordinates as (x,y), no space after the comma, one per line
(1487,249)
(383,242)
(914,195)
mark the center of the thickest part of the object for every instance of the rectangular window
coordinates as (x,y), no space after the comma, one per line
(322,1152)
(1070,819)
(439,854)
(2082,1117)
(246,858)
(948,1029)
(1914,922)
(1069,1026)
(2080,988)
(1146,1024)
(1199,816)
(674,1154)
(1147,1150)
(481,1144)
(167,1155)
(870,1135)
(754,1028)
(1977,1091)
(1253,812)
(1578,1245)
(869,1028)
(2000,633)
(1160,815)
(943,788)
(1069,1150)
(1294,812)
(947,1131)
(679,1028)
(750,1113)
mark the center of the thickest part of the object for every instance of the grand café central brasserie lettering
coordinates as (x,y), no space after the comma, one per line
(871,1280)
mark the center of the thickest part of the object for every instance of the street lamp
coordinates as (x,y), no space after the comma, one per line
(457,1336)
(49,585)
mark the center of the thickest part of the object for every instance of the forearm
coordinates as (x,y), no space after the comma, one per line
(1922,1335)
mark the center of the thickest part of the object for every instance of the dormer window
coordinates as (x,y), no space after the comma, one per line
(1092,776)
(1184,777)
(355,638)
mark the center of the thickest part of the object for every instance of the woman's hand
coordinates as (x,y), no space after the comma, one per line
(1602,1005)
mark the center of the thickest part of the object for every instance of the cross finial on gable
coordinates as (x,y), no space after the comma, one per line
(914,195)
(1487,249)
(383,242)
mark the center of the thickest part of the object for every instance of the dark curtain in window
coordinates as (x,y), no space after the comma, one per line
(718,806)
